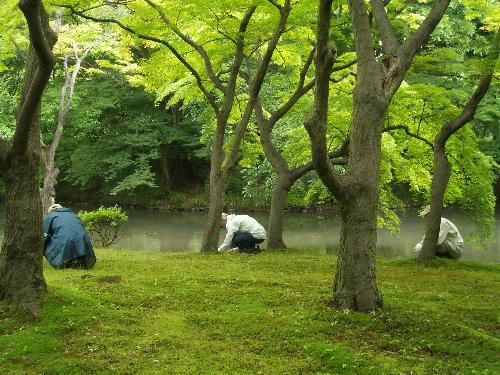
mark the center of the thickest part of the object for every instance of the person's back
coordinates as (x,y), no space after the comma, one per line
(450,241)
(67,242)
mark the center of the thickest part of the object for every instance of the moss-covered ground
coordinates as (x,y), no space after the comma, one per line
(158,313)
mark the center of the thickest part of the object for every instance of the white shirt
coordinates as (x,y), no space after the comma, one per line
(241,223)
(447,231)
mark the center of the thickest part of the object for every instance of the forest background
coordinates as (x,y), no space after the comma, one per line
(138,132)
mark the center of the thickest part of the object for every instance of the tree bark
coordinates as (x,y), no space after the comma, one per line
(277,210)
(358,189)
(442,173)
(355,283)
(21,277)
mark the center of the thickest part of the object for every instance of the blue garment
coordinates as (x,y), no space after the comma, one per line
(67,243)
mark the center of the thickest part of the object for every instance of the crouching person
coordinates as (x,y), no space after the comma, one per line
(450,243)
(244,234)
(67,243)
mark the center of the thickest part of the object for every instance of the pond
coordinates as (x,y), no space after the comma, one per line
(168,231)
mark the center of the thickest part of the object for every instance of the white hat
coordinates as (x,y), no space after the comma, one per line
(224,216)
(53,207)
(425,211)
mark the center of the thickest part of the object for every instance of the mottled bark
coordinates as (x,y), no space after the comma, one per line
(21,277)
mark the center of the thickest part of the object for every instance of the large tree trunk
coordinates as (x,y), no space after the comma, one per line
(275,227)
(442,173)
(21,277)
(355,282)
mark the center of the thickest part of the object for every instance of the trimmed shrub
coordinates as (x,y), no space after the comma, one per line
(105,225)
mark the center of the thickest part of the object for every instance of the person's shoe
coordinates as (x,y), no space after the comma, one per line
(234,250)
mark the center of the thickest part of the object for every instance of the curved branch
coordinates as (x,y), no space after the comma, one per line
(420,36)
(199,81)
(41,60)
(389,40)
(407,131)
(256,86)
(201,51)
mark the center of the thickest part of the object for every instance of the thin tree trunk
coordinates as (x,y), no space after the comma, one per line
(277,210)
(216,204)
(442,173)
(65,99)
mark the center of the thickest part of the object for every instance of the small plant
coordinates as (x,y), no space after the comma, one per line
(104,225)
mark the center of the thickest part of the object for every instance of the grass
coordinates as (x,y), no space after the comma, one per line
(158,313)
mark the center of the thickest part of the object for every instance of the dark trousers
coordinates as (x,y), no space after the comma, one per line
(245,242)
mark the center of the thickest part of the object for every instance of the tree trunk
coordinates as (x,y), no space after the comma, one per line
(355,284)
(442,173)
(21,277)
(211,233)
(275,227)
(49,187)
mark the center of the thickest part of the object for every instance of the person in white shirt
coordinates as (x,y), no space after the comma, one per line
(450,243)
(244,234)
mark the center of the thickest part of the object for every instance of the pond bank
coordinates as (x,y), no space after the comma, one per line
(161,313)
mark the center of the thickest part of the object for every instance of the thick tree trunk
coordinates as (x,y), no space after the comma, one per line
(21,277)
(355,282)
(442,173)
(275,227)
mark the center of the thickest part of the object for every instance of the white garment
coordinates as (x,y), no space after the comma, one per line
(241,223)
(449,241)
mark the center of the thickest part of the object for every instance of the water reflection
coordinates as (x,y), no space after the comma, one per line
(183,232)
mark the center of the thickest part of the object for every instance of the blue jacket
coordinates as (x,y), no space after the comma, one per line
(66,239)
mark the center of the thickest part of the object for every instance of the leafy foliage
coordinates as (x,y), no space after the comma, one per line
(104,225)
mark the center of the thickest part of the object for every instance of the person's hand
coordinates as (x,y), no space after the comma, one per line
(418,247)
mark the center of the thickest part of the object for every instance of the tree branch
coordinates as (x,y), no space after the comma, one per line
(238,60)
(41,60)
(199,81)
(470,107)
(389,40)
(407,131)
(201,51)
(256,85)
(420,36)
(362,31)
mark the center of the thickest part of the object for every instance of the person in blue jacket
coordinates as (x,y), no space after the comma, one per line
(67,243)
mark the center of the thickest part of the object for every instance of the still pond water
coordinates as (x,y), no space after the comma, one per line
(167,231)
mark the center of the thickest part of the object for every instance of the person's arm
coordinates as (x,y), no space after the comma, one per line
(232,228)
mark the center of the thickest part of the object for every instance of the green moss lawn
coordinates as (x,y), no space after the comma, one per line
(154,313)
